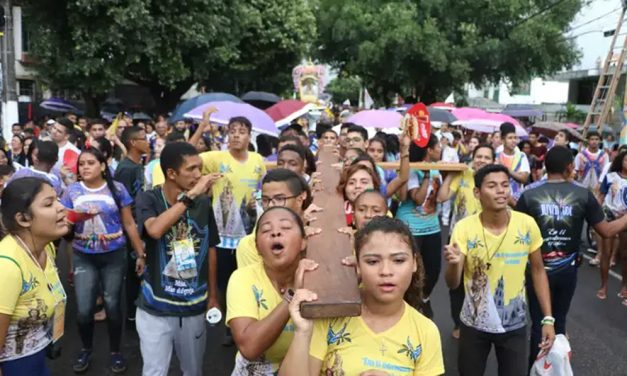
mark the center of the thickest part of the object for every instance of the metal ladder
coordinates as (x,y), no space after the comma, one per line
(605,91)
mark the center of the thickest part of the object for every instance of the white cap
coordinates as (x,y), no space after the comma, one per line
(51,121)
(448,136)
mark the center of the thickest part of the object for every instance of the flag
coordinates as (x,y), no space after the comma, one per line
(368,102)
(347,102)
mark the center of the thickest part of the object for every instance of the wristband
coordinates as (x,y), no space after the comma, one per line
(548,320)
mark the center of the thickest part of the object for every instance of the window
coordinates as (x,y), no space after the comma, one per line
(26,30)
(26,88)
(523,88)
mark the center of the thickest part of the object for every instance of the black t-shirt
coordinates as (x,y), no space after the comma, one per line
(560,209)
(130,174)
(164,292)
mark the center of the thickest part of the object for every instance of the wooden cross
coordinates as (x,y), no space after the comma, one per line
(335,284)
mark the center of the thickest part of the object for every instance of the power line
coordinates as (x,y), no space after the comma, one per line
(594,19)
(540,12)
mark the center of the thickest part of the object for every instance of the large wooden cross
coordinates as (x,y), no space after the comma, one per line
(335,284)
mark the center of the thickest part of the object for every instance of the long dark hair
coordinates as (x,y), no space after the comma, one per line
(386,225)
(106,174)
(617,163)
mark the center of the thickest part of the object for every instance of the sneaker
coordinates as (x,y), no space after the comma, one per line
(82,361)
(118,365)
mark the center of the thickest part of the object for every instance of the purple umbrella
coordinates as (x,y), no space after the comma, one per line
(262,122)
(376,119)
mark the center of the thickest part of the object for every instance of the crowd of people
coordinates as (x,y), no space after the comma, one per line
(185,218)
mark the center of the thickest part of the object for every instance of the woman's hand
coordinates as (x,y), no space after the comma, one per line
(305,265)
(301,324)
(308,215)
(311,231)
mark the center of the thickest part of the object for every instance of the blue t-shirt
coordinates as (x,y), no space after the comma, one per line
(102,233)
(421,219)
(53,179)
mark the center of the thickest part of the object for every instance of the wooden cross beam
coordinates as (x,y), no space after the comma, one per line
(441,166)
(335,284)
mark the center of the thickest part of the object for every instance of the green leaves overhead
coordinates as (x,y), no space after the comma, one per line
(432,47)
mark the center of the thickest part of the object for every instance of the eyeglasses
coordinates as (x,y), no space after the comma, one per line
(274,201)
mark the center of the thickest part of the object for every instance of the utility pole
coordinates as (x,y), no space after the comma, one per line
(9,95)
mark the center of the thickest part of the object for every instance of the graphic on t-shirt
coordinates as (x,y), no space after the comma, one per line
(410,351)
(28,327)
(229,215)
(338,336)
(591,165)
(429,207)
(261,301)
(479,307)
(524,239)
(179,231)
(333,365)
(31,284)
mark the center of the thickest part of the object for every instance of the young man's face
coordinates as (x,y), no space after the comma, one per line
(434,154)
(141,142)
(560,139)
(342,139)
(97,130)
(494,191)
(277,193)
(329,138)
(593,142)
(510,142)
(355,140)
(188,174)
(16,130)
(239,137)
(496,140)
(161,128)
(58,133)
(82,122)
(533,138)
(290,160)
(180,126)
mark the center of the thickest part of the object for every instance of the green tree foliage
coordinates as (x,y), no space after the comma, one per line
(166,45)
(431,47)
(344,87)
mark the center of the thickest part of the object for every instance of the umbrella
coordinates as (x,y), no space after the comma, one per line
(285,111)
(550,129)
(522,110)
(59,105)
(141,116)
(262,122)
(487,122)
(261,99)
(188,105)
(376,119)
(441,115)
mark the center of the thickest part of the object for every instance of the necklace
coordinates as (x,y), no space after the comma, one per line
(27,249)
(496,250)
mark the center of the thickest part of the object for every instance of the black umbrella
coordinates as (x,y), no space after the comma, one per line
(261,99)
(441,115)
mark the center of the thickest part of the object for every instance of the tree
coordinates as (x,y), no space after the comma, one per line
(165,45)
(429,48)
(344,87)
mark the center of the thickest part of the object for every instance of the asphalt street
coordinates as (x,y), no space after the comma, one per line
(597,331)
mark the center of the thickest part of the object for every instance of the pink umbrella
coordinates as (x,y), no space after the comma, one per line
(262,123)
(487,122)
(376,119)
(284,112)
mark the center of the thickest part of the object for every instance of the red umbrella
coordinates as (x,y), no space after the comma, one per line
(287,110)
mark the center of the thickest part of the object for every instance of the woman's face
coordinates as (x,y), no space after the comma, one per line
(357,183)
(472,145)
(27,144)
(375,150)
(16,143)
(48,215)
(386,266)
(89,168)
(159,145)
(350,156)
(329,138)
(625,163)
(34,156)
(3,159)
(368,207)
(526,148)
(201,146)
(279,239)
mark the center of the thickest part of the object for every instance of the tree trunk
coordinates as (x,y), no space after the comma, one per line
(92,104)
(166,99)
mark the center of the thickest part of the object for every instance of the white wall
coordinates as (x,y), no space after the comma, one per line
(9,117)
(540,92)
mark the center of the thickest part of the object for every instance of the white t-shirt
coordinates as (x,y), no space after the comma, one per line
(62,150)
(449,154)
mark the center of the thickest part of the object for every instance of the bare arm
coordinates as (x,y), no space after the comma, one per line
(520,176)
(419,195)
(254,337)
(131,230)
(445,194)
(540,282)
(454,267)
(298,355)
(403,176)
(204,124)
(610,229)
(5,320)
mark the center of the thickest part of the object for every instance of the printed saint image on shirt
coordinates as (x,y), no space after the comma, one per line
(181,231)
(229,215)
(27,328)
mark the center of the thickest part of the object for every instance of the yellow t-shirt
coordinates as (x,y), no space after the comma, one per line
(466,203)
(494,276)
(246,253)
(233,192)
(347,346)
(158,178)
(251,294)
(29,296)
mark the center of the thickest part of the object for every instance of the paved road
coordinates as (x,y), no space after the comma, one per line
(597,330)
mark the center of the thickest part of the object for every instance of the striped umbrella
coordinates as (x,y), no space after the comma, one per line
(58,105)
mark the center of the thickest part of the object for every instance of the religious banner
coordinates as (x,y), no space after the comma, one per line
(309,81)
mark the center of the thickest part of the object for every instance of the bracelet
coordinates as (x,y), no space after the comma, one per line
(548,320)
(288,296)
